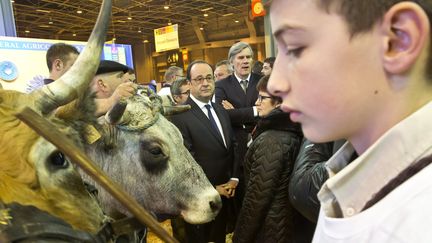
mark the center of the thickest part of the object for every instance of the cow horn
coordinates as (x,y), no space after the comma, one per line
(78,77)
(172,110)
(114,115)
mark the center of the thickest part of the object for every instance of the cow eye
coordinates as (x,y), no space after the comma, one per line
(58,159)
(152,156)
(155,151)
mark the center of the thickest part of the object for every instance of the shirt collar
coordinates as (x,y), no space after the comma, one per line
(239,79)
(352,185)
(200,103)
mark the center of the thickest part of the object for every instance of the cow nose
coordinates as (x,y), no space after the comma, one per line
(215,205)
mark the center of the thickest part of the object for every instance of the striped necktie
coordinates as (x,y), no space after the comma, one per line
(244,85)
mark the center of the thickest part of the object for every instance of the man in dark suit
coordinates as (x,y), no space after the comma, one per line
(208,135)
(238,93)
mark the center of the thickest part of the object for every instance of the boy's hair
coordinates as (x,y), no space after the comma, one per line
(59,51)
(362,15)
(262,86)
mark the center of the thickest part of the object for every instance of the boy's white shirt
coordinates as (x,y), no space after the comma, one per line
(402,216)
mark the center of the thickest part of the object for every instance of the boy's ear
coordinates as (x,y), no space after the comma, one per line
(406,29)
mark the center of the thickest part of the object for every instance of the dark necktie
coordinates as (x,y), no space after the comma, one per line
(244,85)
(212,120)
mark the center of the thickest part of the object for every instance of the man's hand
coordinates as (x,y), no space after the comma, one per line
(230,186)
(124,90)
(227,105)
(222,190)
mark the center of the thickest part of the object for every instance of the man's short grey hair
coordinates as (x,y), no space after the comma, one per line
(171,71)
(175,86)
(237,48)
(226,63)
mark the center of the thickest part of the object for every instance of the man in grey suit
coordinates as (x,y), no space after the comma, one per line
(208,135)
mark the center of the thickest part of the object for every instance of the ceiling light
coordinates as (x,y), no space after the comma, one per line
(129,18)
(79,11)
(27,31)
(166,7)
(169,23)
(206,9)
(139,31)
(145,41)
(12,1)
(44,26)
(73,34)
(50,22)
(227,14)
(236,21)
(43,11)
(201,28)
(205,15)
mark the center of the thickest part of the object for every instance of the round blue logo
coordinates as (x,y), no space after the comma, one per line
(8,71)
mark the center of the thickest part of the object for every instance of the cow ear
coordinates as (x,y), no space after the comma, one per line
(115,114)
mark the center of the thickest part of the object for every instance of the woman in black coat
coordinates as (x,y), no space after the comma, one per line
(266,214)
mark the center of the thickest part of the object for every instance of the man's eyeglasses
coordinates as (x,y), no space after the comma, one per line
(200,80)
(263,97)
(187,92)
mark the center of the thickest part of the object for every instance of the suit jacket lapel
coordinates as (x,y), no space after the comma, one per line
(252,93)
(236,84)
(199,114)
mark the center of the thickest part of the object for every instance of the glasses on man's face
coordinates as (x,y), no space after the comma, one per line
(200,79)
(263,97)
(187,92)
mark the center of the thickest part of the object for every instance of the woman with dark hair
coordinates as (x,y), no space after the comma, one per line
(266,214)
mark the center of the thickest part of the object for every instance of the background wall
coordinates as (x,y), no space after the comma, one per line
(29,57)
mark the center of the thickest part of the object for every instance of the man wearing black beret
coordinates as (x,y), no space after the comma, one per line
(109,85)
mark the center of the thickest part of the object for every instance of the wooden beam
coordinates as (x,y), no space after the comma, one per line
(197,30)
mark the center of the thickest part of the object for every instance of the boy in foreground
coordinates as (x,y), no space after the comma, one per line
(361,70)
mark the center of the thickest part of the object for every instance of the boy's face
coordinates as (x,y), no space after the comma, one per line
(328,80)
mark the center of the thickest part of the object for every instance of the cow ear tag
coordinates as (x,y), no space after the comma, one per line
(5,216)
(92,135)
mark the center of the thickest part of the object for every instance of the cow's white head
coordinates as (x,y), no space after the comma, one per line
(144,152)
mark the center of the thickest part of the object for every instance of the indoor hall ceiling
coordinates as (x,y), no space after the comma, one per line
(59,19)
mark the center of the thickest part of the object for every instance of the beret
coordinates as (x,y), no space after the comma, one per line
(107,66)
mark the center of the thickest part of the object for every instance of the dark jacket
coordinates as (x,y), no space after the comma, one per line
(309,175)
(218,162)
(206,146)
(32,225)
(267,215)
(229,89)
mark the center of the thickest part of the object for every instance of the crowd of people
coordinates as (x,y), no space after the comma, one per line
(301,149)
